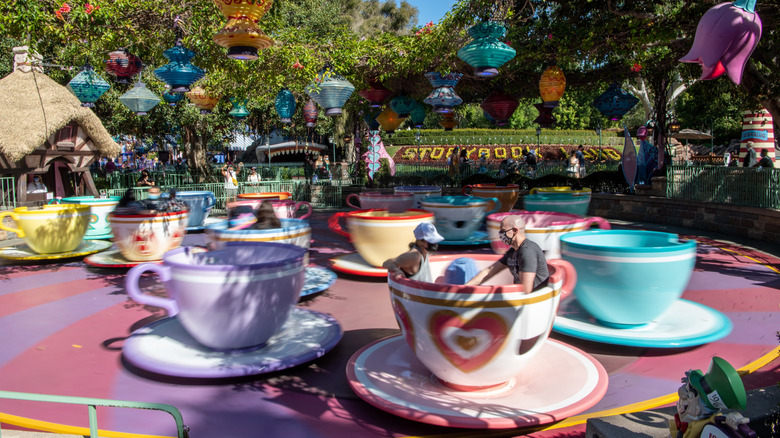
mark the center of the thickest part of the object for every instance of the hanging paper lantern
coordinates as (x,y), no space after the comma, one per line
(285,105)
(487,53)
(310,114)
(239,110)
(330,90)
(202,100)
(389,120)
(88,86)
(375,95)
(241,35)
(139,99)
(546,118)
(402,105)
(488,117)
(418,115)
(123,65)
(178,73)
(500,106)
(173,98)
(443,97)
(725,38)
(370,119)
(448,122)
(615,103)
(551,85)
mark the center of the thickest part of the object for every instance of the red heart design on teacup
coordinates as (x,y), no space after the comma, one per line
(402,316)
(469,345)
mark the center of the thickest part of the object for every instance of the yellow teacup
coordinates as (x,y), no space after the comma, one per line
(559,190)
(378,234)
(53,229)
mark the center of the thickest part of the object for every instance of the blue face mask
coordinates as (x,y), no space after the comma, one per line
(154,196)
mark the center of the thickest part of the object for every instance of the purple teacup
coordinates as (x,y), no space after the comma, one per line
(236,297)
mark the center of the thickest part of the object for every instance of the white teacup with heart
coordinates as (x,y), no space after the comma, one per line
(477,337)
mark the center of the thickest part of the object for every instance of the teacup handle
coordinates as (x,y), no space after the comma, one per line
(569,275)
(15,217)
(496,205)
(600,221)
(533,190)
(467,187)
(134,291)
(353,196)
(300,204)
(55,201)
(212,201)
(335,226)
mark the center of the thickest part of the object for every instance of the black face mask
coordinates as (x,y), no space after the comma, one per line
(433,246)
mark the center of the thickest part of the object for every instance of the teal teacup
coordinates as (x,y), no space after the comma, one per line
(99,226)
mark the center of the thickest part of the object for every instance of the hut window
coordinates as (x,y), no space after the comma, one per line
(65,137)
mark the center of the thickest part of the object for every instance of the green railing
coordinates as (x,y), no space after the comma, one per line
(733,185)
(182,431)
(118,180)
(7,193)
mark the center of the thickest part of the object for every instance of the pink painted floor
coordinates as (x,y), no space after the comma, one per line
(62,326)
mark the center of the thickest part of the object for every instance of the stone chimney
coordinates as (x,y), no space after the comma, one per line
(25,61)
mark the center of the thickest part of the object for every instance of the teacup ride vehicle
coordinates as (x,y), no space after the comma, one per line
(558,199)
(459,218)
(293,231)
(544,228)
(231,313)
(419,192)
(477,356)
(142,236)
(283,209)
(264,196)
(507,194)
(199,203)
(99,209)
(50,233)
(629,289)
(377,235)
(392,202)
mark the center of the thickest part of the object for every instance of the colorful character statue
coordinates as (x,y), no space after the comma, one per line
(702,396)
(376,151)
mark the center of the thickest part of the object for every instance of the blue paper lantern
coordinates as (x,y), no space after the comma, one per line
(285,105)
(173,98)
(139,99)
(330,90)
(443,97)
(88,86)
(615,103)
(418,115)
(370,119)
(402,105)
(179,73)
(487,52)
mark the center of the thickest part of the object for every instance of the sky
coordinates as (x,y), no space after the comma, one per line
(431,10)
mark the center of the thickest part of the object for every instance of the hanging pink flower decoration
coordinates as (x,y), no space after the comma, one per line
(725,38)
(90,9)
(636,68)
(65,8)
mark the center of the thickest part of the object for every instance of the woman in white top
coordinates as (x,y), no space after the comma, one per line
(36,186)
(253,177)
(231,183)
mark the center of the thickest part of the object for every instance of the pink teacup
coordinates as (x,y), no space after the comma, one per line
(283,209)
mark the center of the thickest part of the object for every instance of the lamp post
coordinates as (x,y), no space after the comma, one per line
(538,133)
(598,132)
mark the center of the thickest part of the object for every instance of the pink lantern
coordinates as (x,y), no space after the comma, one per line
(310,114)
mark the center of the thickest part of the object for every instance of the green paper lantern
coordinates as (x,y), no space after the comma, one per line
(88,86)
(239,110)
(487,53)
(139,99)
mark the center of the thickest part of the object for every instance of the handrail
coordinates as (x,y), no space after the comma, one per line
(92,404)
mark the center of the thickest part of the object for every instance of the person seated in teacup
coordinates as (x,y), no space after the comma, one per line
(524,259)
(244,217)
(414,264)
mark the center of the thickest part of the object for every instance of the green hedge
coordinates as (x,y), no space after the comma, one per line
(502,136)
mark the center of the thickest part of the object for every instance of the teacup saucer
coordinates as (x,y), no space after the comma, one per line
(105,236)
(354,264)
(561,381)
(23,252)
(684,324)
(477,238)
(164,347)
(317,280)
(206,223)
(113,259)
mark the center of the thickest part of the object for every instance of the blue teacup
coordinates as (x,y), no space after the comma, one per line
(200,204)
(99,209)
(559,202)
(458,217)
(627,278)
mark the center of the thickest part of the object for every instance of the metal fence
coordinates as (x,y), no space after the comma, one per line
(7,193)
(754,187)
(326,194)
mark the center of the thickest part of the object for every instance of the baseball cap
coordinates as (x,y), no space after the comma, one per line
(427,232)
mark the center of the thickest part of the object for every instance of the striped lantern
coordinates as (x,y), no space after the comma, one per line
(310,114)
(330,90)
(500,106)
(88,86)
(124,65)
(758,127)
(285,105)
(179,73)
(241,35)
(375,95)
(139,99)
(443,98)
(486,53)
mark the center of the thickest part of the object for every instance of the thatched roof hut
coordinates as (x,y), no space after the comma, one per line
(45,130)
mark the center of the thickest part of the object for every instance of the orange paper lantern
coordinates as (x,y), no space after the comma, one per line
(241,35)
(552,85)
(202,100)
(389,120)
(448,122)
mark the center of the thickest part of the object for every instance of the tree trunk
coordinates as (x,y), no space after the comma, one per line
(757,85)
(659,133)
(195,151)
